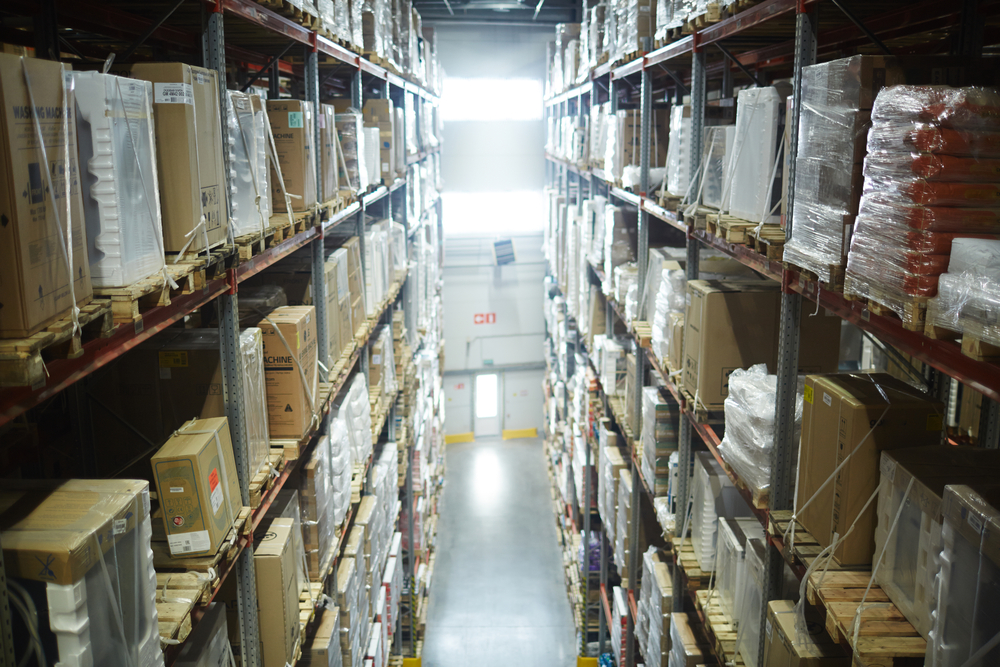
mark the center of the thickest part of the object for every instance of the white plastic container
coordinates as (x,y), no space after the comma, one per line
(121,200)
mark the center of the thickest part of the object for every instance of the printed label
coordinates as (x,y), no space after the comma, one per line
(295,119)
(174,359)
(216,490)
(769,629)
(176,489)
(173,93)
(975,521)
(120,525)
(189,542)
(808,395)
(827,398)
(200,77)
(376,359)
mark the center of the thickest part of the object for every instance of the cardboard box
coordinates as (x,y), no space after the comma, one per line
(785,647)
(188,154)
(915,478)
(734,324)
(277,597)
(837,417)
(380,113)
(375,362)
(33,270)
(342,313)
(292,124)
(324,647)
(290,402)
(687,648)
(329,169)
(195,476)
(355,282)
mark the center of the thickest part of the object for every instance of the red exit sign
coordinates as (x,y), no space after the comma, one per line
(484,318)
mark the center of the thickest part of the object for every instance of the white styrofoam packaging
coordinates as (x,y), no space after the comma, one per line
(752,165)
(121,196)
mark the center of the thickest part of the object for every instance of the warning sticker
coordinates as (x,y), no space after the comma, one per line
(173,93)
(215,489)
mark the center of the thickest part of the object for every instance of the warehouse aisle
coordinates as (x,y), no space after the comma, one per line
(498,595)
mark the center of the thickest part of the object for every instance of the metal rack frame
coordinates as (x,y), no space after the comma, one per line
(944,357)
(215,53)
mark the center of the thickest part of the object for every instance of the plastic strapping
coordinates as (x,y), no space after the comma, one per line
(153,203)
(65,237)
(856,622)
(222,465)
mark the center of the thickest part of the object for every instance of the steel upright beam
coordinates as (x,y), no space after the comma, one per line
(214,46)
(784,444)
(357,98)
(989,423)
(6,634)
(633,540)
(698,101)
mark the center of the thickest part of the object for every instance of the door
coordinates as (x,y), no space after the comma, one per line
(487,408)
(522,402)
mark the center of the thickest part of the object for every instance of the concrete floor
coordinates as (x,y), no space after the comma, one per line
(498,595)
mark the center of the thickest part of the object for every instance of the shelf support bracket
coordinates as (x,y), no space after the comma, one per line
(736,61)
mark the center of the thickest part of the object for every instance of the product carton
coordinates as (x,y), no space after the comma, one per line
(33,268)
(915,478)
(277,597)
(291,401)
(188,154)
(328,152)
(379,113)
(734,324)
(853,417)
(292,124)
(323,649)
(199,493)
(786,647)
(338,303)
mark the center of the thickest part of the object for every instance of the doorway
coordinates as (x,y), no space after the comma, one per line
(487,415)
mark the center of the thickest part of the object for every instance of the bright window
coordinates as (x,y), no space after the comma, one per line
(486,396)
(491,99)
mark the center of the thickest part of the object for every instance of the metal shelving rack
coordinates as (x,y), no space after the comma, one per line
(257,41)
(775,38)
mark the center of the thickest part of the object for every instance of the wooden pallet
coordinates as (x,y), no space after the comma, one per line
(697,217)
(759,498)
(264,479)
(885,637)
(769,241)
(358,481)
(978,349)
(696,579)
(130,302)
(206,267)
(329,209)
(300,220)
(729,228)
(250,245)
(207,566)
(835,271)
(669,202)
(22,360)
(177,595)
(806,547)
(719,628)
(643,333)
(283,7)
(913,317)
(702,414)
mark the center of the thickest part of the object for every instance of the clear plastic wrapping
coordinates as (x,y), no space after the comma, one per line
(668,316)
(749,436)
(752,603)
(968,298)
(734,534)
(255,396)
(660,421)
(679,150)
(714,497)
(623,521)
(717,151)
(619,241)
(910,182)
(316,508)
(754,174)
(121,199)
(354,170)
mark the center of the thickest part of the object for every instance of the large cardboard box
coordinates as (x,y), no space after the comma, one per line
(292,124)
(355,282)
(734,324)
(290,401)
(379,113)
(340,308)
(324,647)
(34,273)
(199,493)
(277,597)
(188,154)
(784,646)
(863,413)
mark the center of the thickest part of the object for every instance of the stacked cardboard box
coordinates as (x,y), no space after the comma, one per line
(290,370)
(380,114)
(277,594)
(293,126)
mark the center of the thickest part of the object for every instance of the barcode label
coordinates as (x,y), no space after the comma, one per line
(173,93)
(189,542)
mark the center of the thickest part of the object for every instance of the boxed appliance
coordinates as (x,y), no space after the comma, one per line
(733,536)
(787,647)
(293,126)
(37,289)
(733,324)
(755,179)
(342,313)
(353,170)
(63,541)
(717,152)
(379,113)
(968,607)
(849,419)
(277,594)
(188,154)
(714,498)
(248,138)
(208,643)
(290,370)
(323,650)
(753,602)
(121,198)
(329,154)
(916,477)
(316,505)
(196,483)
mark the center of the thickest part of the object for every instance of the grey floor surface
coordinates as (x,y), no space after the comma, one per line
(498,595)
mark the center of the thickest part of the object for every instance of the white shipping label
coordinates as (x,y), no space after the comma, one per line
(295,119)
(376,359)
(189,542)
(827,398)
(176,489)
(215,486)
(173,93)
(120,526)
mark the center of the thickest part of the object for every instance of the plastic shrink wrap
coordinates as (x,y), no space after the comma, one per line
(350,129)
(249,196)
(717,151)
(967,617)
(619,242)
(668,317)
(679,150)
(833,127)
(925,148)
(255,399)
(714,497)
(121,200)
(96,590)
(752,602)
(968,298)
(316,508)
(749,436)
(733,536)
(754,192)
